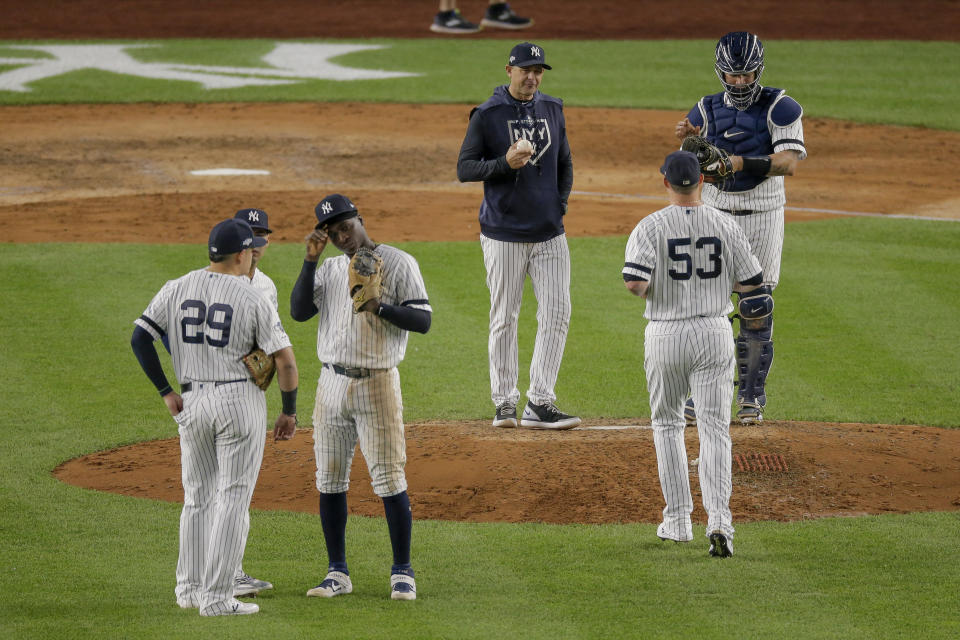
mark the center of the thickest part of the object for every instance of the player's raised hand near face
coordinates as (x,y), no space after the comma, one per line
(316,242)
(685,129)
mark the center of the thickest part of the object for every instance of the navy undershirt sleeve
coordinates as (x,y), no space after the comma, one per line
(146,352)
(407,318)
(301,297)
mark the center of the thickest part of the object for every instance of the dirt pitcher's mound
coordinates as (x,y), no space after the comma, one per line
(470,471)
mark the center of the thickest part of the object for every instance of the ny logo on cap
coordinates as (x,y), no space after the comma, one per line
(326,207)
(535,52)
(253,216)
(512,58)
(247,242)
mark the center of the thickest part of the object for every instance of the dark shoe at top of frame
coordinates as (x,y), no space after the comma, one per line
(501,16)
(546,416)
(720,545)
(452,22)
(506,417)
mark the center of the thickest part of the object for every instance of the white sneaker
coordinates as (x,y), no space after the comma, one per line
(246,585)
(232,607)
(675,533)
(402,587)
(337,583)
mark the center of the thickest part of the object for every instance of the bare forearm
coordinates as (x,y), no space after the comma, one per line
(288,377)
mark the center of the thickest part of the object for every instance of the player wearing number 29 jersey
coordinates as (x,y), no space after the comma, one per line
(212,318)
(686,260)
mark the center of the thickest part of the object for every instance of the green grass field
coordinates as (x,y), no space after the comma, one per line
(866,329)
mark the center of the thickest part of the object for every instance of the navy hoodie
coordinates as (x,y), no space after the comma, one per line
(526,204)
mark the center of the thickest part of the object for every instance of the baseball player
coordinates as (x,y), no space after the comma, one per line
(761,129)
(245,584)
(358,394)
(259,222)
(213,318)
(516,143)
(686,260)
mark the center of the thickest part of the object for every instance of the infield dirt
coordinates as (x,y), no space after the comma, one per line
(121,173)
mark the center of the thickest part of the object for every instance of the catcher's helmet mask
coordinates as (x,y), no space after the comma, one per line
(740,52)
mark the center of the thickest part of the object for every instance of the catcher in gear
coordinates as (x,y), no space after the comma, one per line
(752,137)
(367,301)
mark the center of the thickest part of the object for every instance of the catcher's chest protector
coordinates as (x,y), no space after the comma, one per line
(741,133)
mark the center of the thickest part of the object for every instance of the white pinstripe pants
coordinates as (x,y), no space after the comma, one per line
(221,449)
(695,356)
(365,410)
(764,230)
(508,264)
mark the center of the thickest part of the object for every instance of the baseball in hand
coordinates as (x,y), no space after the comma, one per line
(524,145)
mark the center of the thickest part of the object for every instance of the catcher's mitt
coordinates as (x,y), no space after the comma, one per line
(365,277)
(715,163)
(261,366)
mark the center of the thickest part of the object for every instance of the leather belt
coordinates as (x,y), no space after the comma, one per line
(188,386)
(350,372)
(740,212)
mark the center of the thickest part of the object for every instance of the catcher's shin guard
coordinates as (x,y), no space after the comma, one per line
(754,358)
(754,349)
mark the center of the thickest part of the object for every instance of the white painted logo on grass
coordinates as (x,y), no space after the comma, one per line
(291,63)
(230,172)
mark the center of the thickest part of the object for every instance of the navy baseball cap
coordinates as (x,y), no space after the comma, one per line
(334,206)
(233,236)
(681,169)
(527,54)
(256,218)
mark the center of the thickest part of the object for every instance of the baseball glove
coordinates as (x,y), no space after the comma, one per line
(365,277)
(715,163)
(261,366)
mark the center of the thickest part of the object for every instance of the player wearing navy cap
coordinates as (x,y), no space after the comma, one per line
(358,394)
(213,318)
(686,260)
(516,144)
(260,223)
(761,128)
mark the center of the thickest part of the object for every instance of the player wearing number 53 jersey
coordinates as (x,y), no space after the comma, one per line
(213,317)
(686,260)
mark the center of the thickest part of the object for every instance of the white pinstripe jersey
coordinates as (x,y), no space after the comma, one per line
(692,257)
(264,284)
(212,320)
(769,194)
(363,339)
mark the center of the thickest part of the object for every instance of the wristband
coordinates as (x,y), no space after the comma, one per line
(289,399)
(757,166)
